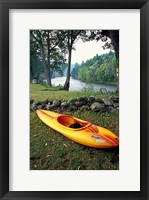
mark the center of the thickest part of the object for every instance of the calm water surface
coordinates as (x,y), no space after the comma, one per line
(77,85)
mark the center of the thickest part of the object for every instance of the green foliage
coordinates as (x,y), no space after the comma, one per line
(48,47)
(36,64)
(99,69)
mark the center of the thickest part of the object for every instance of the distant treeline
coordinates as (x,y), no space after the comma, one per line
(99,69)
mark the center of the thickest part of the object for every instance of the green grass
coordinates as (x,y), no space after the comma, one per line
(40,92)
(49,150)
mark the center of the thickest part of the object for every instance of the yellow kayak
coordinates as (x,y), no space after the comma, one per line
(86,133)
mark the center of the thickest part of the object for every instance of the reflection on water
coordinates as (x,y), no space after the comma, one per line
(76,85)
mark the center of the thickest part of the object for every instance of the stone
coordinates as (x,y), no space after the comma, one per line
(107,102)
(96,106)
(115,105)
(31,101)
(71,104)
(45,101)
(114,98)
(91,99)
(56,103)
(38,103)
(40,106)
(71,100)
(79,103)
(73,107)
(97,99)
(84,98)
(64,104)
(84,108)
(34,107)
(48,107)
(50,103)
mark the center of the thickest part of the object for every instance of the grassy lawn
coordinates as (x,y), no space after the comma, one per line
(40,92)
(50,150)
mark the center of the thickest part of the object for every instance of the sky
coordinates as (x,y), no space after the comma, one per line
(87,50)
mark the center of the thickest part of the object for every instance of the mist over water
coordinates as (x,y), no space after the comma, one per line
(77,85)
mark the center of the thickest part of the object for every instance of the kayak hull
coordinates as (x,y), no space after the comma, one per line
(88,135)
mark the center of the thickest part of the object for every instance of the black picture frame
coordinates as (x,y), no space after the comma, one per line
(5,5)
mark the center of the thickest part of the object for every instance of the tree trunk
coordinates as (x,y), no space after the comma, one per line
(47,74)
(114,35)
(67,82)
(48,65)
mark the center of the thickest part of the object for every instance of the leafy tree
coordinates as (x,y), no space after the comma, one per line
(50,43)
(58,62)
(102,69)
(36,65)
(111,39)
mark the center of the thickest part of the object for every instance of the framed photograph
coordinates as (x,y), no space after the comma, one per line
(74,91)
(74,99)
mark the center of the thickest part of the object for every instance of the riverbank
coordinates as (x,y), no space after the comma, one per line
(50,150)
(103,83)
(77,85)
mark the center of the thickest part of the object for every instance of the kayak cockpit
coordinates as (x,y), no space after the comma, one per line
(70,122)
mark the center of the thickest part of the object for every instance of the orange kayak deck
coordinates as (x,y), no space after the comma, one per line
(87,134)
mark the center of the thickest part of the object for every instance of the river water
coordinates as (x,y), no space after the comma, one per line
(77,85)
